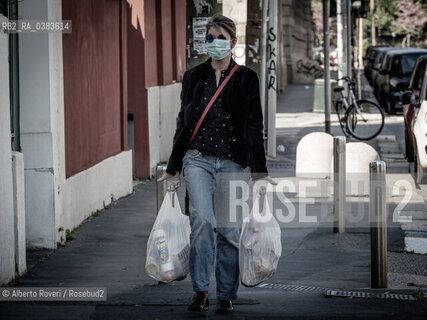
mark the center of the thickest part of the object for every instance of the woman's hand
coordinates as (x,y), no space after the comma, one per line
(173,182)
(260,185)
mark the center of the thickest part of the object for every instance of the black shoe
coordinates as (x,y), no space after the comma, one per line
(224,306)
(200,302)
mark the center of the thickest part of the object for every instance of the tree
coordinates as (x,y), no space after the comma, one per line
(385,14)
(317,16)
(410,20)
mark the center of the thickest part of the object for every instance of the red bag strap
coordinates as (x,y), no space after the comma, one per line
(218,91)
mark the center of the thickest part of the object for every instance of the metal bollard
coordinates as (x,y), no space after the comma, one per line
(161,187)
(378,221)
(339,184)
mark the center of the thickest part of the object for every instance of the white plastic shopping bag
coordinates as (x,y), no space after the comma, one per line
(168,247)
(260,245)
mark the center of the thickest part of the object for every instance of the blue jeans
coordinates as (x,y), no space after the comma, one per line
(206,175)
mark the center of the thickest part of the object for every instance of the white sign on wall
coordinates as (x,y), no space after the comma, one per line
(199,34)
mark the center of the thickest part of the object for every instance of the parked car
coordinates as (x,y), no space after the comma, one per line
(394,75)
(379,78)
(367,61)
(414,102)
(378,54)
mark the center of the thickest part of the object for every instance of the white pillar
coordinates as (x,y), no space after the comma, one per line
(42,123)
(7,239)
(272,67)
(342,66)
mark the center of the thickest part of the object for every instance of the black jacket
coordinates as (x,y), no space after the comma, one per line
(241,99)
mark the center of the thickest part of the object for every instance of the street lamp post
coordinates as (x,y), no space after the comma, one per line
(326,75)
(349,26)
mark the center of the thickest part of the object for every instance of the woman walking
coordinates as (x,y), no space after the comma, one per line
(219,138)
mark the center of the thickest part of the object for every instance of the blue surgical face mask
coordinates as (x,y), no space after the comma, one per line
(218,49)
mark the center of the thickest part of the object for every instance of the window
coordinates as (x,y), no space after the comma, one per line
(416,80)
(386,64)
(379,57)
(404,64)
(396,68)
(408,63)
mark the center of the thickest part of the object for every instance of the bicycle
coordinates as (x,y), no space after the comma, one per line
(362,119)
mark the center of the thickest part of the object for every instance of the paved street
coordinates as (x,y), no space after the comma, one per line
(109,251)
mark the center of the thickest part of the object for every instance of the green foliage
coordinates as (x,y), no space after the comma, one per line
(96,213)
(70,235)
(386,14)
(419,295)
(45,257)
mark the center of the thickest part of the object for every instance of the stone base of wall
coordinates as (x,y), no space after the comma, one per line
(94,188)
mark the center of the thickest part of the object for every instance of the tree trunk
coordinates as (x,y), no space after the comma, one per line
(372,9)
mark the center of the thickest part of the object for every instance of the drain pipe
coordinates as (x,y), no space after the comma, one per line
(14,79)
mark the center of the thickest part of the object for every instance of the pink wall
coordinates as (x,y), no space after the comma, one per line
(118,48)
(156,42)
(94,108)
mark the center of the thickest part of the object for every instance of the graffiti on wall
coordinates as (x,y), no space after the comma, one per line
(271,54)
(309,69)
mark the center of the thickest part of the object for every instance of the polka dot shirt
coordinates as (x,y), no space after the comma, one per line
(216,132)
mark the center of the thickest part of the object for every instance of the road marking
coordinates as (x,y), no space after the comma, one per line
(287,131)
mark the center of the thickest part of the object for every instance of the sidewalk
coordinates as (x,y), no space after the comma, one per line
(109,251)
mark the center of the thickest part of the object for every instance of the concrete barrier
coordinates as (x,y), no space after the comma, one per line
(358,157)
(319,94)
(314,156)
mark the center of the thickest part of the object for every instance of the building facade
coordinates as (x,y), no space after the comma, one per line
(97,107)
(297,36)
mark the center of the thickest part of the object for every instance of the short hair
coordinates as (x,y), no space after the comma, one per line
(218,20)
